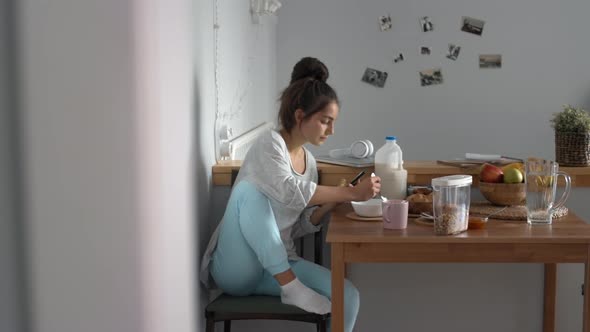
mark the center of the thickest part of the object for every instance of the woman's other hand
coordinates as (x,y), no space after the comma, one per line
(367,188)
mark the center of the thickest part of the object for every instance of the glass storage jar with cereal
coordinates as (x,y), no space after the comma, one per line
(451,199)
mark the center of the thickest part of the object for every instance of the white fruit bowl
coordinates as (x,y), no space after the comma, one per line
(369,209)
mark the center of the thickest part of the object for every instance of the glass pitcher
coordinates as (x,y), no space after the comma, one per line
(541,188)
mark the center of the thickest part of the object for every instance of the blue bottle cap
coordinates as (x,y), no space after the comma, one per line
(390,138)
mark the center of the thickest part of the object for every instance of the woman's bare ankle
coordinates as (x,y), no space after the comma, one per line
(285,277)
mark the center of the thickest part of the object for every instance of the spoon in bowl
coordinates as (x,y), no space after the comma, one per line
(378,195)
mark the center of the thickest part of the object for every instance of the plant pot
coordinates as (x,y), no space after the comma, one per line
(572,149)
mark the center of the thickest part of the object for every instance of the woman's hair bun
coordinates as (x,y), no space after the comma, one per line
(309,67)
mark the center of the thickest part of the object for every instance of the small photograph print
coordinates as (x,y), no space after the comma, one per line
(431,77)
(425,50)
(490,61)
(453,52)
(472,25)
(374,77)
(385,22)
(426,24)
(398,58)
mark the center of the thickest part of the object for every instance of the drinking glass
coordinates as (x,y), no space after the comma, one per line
(541,188)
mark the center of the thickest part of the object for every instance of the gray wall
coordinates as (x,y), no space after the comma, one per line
(110,152)
(507,111)
(78,93)
(118,104)
(246,61)
(488,111)
(11,273)
(164,121)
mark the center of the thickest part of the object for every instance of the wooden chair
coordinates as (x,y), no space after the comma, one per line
(226,308)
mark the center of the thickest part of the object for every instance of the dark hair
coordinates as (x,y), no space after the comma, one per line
(308,94)
(310,67)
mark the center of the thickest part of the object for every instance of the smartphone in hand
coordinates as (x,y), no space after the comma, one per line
(357,178)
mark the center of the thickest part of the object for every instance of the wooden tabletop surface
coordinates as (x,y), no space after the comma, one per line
(569,229)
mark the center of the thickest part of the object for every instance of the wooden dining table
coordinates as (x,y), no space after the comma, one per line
(567,240)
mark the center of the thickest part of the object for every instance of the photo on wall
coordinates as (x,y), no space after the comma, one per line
(385,22)
(431,77)
(453,52)
(374,77)
(490,61)
(472,25)
(426,24)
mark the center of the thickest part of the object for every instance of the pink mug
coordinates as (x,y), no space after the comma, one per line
(395,214)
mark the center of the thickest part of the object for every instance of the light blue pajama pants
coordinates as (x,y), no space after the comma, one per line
(250,251)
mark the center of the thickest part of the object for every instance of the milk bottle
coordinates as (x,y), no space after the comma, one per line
(389,167)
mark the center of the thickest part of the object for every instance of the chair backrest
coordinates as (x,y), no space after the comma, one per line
(318,244)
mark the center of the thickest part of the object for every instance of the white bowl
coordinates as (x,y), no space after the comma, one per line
(370,208)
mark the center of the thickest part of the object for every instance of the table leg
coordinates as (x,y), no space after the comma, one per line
(337,287)
(549,297)
(586,311)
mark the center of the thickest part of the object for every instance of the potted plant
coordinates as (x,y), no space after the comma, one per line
(572,136)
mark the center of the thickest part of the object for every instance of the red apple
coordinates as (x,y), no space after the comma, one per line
(491,173)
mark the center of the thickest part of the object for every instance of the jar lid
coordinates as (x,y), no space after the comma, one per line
(390,138)
(452,180)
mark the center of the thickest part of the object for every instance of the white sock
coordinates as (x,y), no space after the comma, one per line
(299,295)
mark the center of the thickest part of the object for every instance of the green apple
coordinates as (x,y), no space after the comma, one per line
(513,175)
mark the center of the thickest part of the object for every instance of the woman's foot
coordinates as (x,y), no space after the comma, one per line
(299,295)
